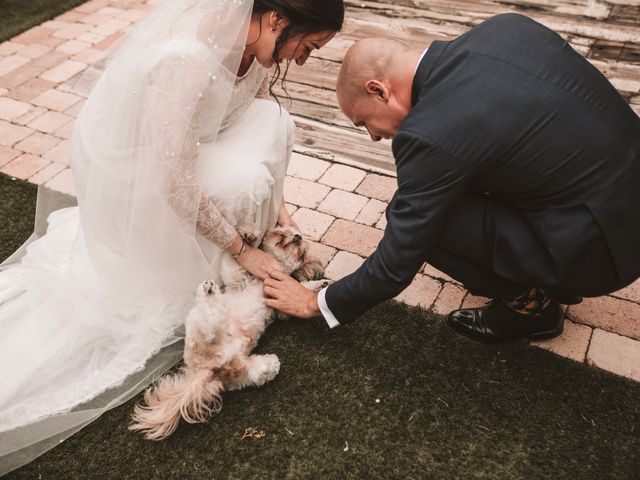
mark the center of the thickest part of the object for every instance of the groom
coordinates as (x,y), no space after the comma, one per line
(518,170)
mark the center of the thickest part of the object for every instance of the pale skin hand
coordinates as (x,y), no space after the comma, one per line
(286,295)
(255,261)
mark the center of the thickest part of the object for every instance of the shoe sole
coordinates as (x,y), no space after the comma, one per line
(532,336)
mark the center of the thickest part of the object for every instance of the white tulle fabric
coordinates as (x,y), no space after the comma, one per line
(171,153)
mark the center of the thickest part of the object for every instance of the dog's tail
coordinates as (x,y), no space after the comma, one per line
(191,394)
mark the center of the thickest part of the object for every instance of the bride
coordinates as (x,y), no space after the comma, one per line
(174,150)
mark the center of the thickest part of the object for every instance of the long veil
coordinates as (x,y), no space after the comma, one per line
(91,311)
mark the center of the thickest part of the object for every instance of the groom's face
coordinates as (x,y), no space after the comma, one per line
(381,119)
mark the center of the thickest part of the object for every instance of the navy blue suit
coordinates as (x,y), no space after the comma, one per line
(518,166)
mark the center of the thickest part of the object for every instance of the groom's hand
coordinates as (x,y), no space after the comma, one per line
(286,295)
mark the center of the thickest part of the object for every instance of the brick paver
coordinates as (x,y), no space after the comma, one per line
(11,134)
(30,89)
(307,168)
(615,353)
(573,343)
(610,314)
(56,100)
(63,182)
(339,208)
(378,186)
(11,109)
(12,62)
(371,213)
(312,224)
(50,121)
(343,264)
(24,166)
(37,144)
(7,154)
(422,292)
(352,237)
(449,299)
(323,253)
(47,173)
(343,177)
(632,292)
(59,153)
(304,193)
(30,116)
(34,50)
(64,71)
(343,204)
(473,301)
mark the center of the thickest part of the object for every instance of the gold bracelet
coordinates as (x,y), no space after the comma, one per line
(240,251)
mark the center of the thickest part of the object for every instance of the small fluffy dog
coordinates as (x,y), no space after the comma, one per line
(221,331)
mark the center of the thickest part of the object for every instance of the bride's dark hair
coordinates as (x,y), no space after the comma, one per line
(304,16)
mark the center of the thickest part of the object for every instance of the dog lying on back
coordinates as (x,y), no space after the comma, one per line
(221,331)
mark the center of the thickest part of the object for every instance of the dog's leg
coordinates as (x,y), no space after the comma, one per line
(256,371)
(316,285)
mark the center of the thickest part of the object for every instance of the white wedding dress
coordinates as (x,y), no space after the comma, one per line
(92,311)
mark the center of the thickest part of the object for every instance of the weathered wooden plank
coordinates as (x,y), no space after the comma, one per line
(469,14)
(343,145)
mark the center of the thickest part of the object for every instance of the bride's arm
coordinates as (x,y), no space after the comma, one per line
(178,83)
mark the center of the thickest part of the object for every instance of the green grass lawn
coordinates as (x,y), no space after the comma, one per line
(394,395)
(19,15)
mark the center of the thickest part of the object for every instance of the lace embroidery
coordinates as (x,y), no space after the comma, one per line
(179,83)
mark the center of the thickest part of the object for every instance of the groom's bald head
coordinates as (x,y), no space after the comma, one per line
(371,58)
(374,85)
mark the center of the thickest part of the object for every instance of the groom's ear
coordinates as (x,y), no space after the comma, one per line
(378,90)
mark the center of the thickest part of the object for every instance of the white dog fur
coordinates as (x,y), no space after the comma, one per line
(221,331)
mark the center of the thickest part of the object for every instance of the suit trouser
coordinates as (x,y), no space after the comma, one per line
(496,252)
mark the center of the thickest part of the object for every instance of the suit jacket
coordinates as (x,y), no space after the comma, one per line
(508,109)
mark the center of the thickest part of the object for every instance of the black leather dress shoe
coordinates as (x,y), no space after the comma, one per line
(496,323)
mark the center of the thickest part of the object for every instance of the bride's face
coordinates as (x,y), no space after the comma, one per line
(297,48)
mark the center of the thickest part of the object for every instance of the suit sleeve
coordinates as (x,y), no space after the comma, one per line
(429,182)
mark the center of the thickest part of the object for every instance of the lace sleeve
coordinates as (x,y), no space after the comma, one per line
(178,83)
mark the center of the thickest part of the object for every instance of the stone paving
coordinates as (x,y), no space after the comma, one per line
(339,207)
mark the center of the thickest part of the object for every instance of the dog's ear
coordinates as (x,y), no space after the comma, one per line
(311,269)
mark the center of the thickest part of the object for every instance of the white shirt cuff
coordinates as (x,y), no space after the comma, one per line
(331,320)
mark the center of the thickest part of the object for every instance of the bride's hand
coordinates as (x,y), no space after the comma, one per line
(258,262)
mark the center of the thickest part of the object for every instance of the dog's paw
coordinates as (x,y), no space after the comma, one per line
(250,236)
(317,285)
(209,287)
(267,368)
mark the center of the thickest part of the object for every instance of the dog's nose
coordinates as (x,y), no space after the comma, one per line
(297,238)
